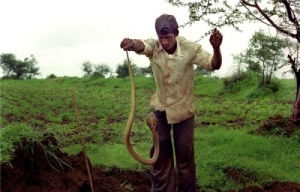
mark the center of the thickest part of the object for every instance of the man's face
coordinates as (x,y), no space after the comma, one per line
(168,42)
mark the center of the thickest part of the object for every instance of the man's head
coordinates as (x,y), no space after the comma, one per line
(166,28)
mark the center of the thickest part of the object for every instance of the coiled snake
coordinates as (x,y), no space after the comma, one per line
(151,121)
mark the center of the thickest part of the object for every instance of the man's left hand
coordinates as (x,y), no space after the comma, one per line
(216,38)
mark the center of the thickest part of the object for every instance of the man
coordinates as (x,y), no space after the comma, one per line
(296,111)
(172,60)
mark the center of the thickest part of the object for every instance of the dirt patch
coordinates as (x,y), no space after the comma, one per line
(243,177)
(240,176)
(277,125)
(36,168)
(33,170)
(238,122)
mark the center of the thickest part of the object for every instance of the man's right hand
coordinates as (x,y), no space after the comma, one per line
(127,44)
(132,45)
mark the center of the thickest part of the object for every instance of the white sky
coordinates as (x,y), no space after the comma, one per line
(63,34)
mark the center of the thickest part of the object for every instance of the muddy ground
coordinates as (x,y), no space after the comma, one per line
(32,171)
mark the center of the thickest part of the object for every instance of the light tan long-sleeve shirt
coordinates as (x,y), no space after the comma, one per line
(174,76)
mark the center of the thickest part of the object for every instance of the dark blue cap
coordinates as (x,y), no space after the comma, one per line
(165,24)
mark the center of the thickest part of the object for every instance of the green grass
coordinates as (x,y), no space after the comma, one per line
(225,118)
(113,155)
(271,158)
(11,136)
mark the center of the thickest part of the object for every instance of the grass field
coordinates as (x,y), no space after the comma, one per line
(227,120)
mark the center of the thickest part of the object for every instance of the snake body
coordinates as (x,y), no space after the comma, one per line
(151,121)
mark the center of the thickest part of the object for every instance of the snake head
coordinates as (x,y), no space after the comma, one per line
(152,121)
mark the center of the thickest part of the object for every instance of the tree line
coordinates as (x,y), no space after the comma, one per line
(18,69)
(265,53)
(102,70)
(27,68)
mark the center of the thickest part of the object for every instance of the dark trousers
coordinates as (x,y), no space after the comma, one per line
(162,172)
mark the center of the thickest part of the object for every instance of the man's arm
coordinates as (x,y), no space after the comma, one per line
(132,45)
(216,40)
(296,110)
(216,61)
(138,46)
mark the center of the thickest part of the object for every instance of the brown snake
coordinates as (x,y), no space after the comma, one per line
(151,121)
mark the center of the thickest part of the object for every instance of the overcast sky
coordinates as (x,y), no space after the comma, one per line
(63,34)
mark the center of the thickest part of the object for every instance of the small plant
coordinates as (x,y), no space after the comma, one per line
(128,186)
(49,153)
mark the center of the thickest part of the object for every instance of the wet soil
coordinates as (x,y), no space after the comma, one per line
(35,168)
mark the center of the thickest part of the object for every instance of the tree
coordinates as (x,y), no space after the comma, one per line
(122,69)
(87,68)
(102,69)
(264,55)
(146,70)
(31,63)
(51,76)
(239,60)
(8,61)
(283,15)
(18,69)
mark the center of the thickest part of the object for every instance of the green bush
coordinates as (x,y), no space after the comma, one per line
(239,81)
(51,76)
(97,75)
(265,90)
(228,81)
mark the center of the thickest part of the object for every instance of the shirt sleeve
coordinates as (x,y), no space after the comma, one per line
(149,47)
(202,58)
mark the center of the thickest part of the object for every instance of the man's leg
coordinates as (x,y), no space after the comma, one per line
(162,171)
(184,149)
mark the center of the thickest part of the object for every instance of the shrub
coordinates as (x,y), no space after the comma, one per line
(265,90)
(97,75)
(227,81)
(51,76)
(238,81)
